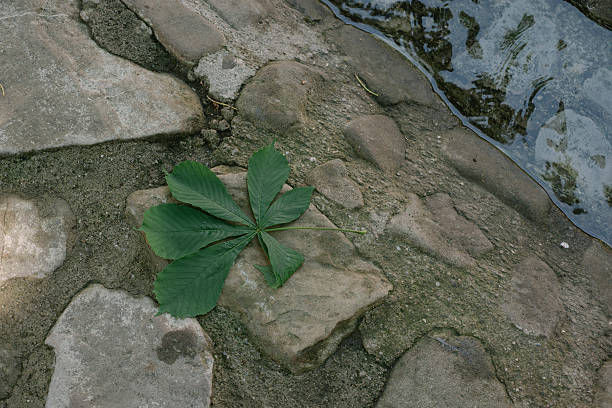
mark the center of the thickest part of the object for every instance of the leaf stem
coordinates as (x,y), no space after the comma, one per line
(316,229)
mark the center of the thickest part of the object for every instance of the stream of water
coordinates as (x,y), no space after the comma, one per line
(533,77)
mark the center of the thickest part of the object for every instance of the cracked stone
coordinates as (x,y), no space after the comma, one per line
(302,323)
(34,236)
(331,180)
(112,351)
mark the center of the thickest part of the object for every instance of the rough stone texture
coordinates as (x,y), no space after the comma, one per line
(450,372)
(377,139)
(331,180)
(275,98)
(312,10)
(10,369)
(224,74)
(533,302)
(414,225)
(603,397)
(402,82)
(239,13)
(460,232)
(598,262)
(183,32)
(479,161)
(62,89)
(34,236)
(300,324)
(112,351)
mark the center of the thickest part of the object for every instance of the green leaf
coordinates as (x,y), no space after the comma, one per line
(285,261)
(191,285)
(268,171)
(175,230)
(288,207)
(194,183)
(269,276)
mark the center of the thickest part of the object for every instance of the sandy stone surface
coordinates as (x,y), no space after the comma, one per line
(112,351)
(33,243)
(331,180)
(61,89)
(302,323)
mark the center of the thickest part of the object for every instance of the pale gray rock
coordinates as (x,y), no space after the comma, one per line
(444,371)
(112,351)
(302,323)
(603,397)
(331,180)
(182,31)
(275,97)
(533,302)
(401,81)
(415,226)
(224,79)
(61,89)
(377,139)
(597,262)
(34,236)
(479,161)
(239,13)
(460,232)
(10,369)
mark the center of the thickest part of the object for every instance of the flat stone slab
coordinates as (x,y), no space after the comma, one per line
(377,139)
(32,243)
(61,89)
(479,161)
(448,371)
(401,82)
(275,97)
(112,351)
(533,301)
(313,10)
(300,324)
(415,226)
(182,31)
(224,74)
(331,180)
(240,13)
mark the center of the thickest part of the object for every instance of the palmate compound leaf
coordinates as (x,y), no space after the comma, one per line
(288,207)
(284,261)
(175,230)
(191,285)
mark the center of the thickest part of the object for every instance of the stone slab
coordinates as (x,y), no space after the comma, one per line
(302,323)
(224,74)
(533,301)
(597,261)
(239,13)
(61,89)
(331,180)
(312,10)
(450,372)
(401,81)
(377,139)
(33,243)
(181,30)
(479,161)
(112,351)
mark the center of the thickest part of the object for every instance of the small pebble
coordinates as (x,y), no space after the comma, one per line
(564,245)
(438,284)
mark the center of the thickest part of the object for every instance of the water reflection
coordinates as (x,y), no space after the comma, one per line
(533,76)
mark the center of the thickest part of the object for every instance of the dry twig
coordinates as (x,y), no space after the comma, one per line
(220,103)
(364,86)
(2,89)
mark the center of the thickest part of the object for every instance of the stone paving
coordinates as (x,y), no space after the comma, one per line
(470,288)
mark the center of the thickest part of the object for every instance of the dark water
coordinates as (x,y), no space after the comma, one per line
(532,77)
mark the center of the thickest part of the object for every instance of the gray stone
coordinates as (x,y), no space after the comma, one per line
(275,98)
(34,236)
(61,89)
(239,13)
(312,10)
(377,139)
(460,232)
(112,351)
(414,226)
(10,369)
(603,397)
(450,372)
(479,161)
(384,70)
(597,262)
(224,80)
(182,31)
(533,301)
(330,179)
(302,323)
